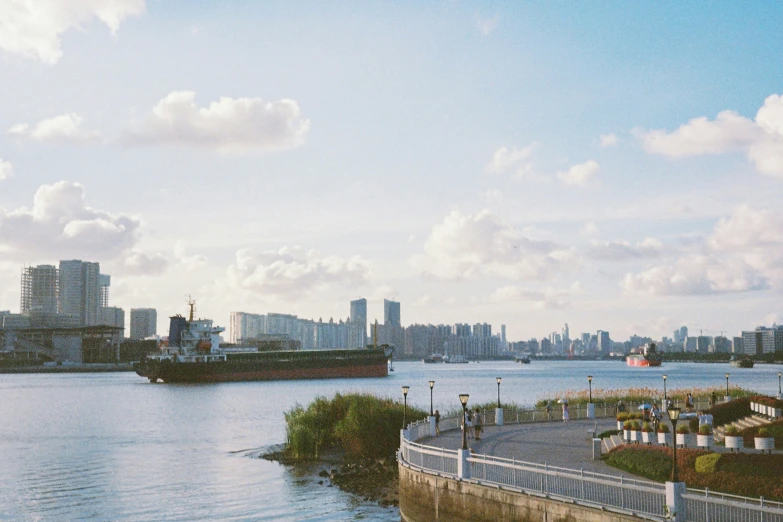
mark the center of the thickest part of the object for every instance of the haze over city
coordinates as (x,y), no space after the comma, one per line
(614,166)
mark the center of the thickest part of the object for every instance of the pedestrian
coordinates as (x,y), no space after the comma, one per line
(549,410)
(565,412)
(713,399)
(477,425)
(468,424)
(437,423)
(689,401)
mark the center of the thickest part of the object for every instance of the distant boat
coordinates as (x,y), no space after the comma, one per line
(650,357)
(455,359)
(745,362)
(434,358)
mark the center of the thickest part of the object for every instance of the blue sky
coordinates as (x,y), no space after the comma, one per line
(529,164)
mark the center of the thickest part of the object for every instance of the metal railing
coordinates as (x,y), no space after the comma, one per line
(612,493)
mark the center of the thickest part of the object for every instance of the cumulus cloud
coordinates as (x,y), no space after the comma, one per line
(515,161)
(744,253)
(608,140)
(61,225)
(467,245)
(760,139)
(622,250)
(549,298)
(139,263)
(6,169)
(228,126)
(292,272)
(487,25)
(579,174)
(64,128)
(32,28)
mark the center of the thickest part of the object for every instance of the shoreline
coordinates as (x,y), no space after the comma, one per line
(70,368)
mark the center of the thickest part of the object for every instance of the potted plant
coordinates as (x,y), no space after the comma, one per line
(764,441)
(684,436)
(635,427)
(621,418)
(704,437)
(732,438)
(648,437)
(664,437)
(627,425)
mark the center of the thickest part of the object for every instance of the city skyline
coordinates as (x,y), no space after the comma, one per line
(529,165)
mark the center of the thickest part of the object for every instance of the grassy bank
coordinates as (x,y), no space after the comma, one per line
(638,395)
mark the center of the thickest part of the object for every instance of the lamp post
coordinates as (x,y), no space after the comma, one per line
(432,384)
(498,379)
(779,392)
(405,404)
(727,385)
(590,388)
(463,398)
(674,414)
(664,387)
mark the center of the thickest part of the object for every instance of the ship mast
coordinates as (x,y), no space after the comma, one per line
(192,305)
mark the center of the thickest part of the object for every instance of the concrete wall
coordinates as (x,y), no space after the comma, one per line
(424,498)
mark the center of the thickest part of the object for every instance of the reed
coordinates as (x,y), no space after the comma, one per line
(637,395)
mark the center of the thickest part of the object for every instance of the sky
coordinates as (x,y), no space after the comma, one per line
(610,165)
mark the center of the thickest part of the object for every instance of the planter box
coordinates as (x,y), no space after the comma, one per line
(664,438)
(777,412)
(626,435)
(648,437)
(635,435)
(765,443)
(734,443)
(704,441)
(619,425)
(686,440)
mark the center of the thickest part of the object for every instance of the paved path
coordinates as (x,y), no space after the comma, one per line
(557,443)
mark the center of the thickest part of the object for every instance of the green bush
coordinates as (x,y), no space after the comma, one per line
(731,411)
(628,425)
(683,428)
(608,433)
(732,431)
(655,465)
(707,463)
(752,464)
(663,428)
(705,429)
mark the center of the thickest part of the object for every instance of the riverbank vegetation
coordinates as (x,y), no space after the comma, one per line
(612,396)
(735,473)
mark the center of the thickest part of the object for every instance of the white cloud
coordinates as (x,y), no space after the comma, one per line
(228,126)
(59,129)
(139,263)
(463,246)
(32,28)
(608,140)
(579,174)
(505,159)
(622,250)
(487,25)
(294,273)
(548,298)
(744,253)
(61,225)
(761,140)
(590,228)
(6,169)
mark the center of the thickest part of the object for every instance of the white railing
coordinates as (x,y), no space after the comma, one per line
(612,493)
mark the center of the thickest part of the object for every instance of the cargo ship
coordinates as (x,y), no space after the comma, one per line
(193,354)
(650,357)
(745,362)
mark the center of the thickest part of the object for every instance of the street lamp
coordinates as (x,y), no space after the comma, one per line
(779,392)
(727,385)
(674,414)
(463,398)
(664,387)
(498,379)
(432,384)
(405,405)
(590,387)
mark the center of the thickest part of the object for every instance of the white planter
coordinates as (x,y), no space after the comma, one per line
(634,435)
(777,412)
(686,440)
(765,443)
(664,438)
(648,437)
(704,441)
(734,442)
(619,425)
(627,435)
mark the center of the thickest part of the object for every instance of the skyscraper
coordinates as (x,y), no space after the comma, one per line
(604,343)
(80,291)
(40,289)
(143,323)
(359,316)
(391,312)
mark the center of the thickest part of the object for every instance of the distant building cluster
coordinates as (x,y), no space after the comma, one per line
(760,341)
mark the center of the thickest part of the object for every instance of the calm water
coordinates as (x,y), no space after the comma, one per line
(114,447)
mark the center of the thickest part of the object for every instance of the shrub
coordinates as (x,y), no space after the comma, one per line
(636,425)
(663,428)
(729,412)
(683,428)
(655,465)
(774,430)
(607,433)
(732,430)
(646,427)
(628,425)
(705,429)
(623,416)
(763,432)
(707,463)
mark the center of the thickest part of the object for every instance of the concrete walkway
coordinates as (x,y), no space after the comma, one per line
(557,443)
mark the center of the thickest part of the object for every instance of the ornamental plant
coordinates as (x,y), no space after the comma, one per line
(635,425)
(732,431)
(763,432)
(663,428)
(683,429)
(646,427)
(623,416)
(705,429)
(628,425)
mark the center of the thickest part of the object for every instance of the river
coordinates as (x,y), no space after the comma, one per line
(111,446)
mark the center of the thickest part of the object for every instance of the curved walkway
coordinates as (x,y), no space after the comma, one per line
(556,443)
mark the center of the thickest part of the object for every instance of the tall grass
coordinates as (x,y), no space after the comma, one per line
(361,425)
(633,395)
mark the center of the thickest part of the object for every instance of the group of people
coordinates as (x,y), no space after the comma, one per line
(472,424)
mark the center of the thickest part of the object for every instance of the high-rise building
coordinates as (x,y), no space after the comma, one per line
(112,316)
(736,345)
(143,323)
(482,330)
(771,339)
(359,316)
(461,330)
(391,313)
(80,291)
(503,334)
(752,342)
(40,289)
(604,343)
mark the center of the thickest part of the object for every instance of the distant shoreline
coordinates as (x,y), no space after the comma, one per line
(71,368)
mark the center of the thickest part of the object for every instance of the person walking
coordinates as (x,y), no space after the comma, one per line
(477,425)
(565,412)
(468,424)
(549,411)
(689,402)
(437,423)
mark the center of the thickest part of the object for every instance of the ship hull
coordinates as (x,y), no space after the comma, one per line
(642,362)
(265,368)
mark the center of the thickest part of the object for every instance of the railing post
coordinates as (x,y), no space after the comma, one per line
(546,477)
(582,482)
(675,503)
(514,470)
(761,500)
(707,504)
(622,493)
